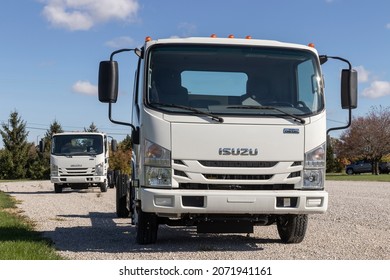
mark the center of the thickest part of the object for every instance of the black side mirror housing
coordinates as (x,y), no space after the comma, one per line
(41,146)
(114,145)
(108,81)
(349,89)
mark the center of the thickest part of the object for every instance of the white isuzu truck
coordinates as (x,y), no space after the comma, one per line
(227,134)
(79,160)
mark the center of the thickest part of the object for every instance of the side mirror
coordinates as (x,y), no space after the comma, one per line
(108,81)
(114,145)
(349,89)
(41,146)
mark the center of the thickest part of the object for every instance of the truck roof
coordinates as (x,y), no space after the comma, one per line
(228,41)
(79,133)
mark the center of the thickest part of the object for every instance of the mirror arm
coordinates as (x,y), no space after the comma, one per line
(324,58)
(110,104)
(117,122)
(119,51)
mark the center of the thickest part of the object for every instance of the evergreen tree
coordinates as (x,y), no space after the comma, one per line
(13,161)
(92,128)
(41,167)
(55,127)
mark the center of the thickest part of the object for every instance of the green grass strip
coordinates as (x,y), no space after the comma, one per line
(18,240)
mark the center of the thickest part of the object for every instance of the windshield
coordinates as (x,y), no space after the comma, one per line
(218,79)
(75,144)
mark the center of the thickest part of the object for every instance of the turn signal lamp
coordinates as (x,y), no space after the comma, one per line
(231,36)
(311,45)
(148,39)
(213,35)
(248,37)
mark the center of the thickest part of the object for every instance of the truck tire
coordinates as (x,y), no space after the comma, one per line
(292,228)
(147,227)
(57,188)
(121,197)
(103,186)
(350,171)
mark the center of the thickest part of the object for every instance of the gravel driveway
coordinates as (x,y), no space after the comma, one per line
(83,225)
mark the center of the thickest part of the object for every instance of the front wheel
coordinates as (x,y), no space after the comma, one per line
(103,186)
(292,228)
(57,188)
(147,226)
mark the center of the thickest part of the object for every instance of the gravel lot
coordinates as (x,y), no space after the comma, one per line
(83,225)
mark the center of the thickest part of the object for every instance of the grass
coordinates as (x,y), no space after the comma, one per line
(18,240)
(360,177)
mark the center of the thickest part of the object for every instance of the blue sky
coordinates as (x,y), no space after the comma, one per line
(50,49)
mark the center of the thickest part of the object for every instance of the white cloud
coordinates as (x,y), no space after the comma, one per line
(187,28)
(85,87)
(377,89)
(84,14)
(388,26)
(121,42)
(363,74)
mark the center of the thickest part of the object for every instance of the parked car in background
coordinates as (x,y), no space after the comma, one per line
(358,167)
(363,166)
(384,167)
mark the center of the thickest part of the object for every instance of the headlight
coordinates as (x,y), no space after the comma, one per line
(156,155)
(158,172)
(54,170)
(316,157)
(156,176)
(314,169)
(99,170)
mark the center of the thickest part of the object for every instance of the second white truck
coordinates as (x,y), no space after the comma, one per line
(79,160)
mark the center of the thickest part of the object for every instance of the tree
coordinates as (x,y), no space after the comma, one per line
(333,163)
(121,159)
(55,127)
(40,167)
(368,137)
(92,128)
(13,161)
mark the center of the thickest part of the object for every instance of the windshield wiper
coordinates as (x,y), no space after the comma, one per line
(194,110)
(294,117)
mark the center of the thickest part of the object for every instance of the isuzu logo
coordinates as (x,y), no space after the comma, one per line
(291,131)
(238,152)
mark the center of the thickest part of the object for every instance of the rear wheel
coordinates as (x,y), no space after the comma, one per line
(292,228)
(122,210)
(147,227)
(350,171)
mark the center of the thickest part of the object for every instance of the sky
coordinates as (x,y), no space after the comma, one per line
(50,50)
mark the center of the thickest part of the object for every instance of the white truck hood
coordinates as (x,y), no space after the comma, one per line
(282,142)
(75,161)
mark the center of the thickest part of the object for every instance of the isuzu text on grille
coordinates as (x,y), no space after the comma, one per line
(238,152)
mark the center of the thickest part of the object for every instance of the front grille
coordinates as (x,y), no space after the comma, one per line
(76,171)
(271,187)
(236,177)
(238,164)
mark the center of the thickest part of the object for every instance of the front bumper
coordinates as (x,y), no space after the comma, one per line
(78,179)
(178,202)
